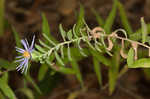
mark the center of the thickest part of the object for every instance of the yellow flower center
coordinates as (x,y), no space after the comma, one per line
(26,54)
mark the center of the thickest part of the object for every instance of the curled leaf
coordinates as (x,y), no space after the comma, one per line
(110,44)
(96,32)
(121,51)
(121,30)
(135,46)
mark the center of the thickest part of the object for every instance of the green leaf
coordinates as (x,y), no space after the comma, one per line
(49,39)
(69,53)
(101,58)
(97,70)
(62,69)
(28,92)
(46,28)
(40,48)
(111,17)
(44,45)
(80,19)
(2,96)
(80,48)
(76,68)
(2,8)
(58,58)
(6,64)
(66,70)
(17,38)
(6,89)
(42,72)
(113,71)
(29,79)
(124,18)
(98,18)
(138,34)
(144,30)
(45,25)
(74,31)
(130,58)
(5,77)
(69,35)
(61,51)
(141,63)
(63,33)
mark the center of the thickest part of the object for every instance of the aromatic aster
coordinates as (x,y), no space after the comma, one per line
(25,55)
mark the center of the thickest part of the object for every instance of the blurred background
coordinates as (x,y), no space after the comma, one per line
(25,17)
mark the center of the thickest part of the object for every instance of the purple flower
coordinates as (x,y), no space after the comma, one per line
(26,55)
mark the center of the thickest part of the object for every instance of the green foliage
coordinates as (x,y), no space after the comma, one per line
(141,63)
(111,17)
(113,71)
(144,30)
(17,38)
(6,89)
(124,19)
(78,43)
(76,68)
(2,3)
(97,69)
(130,59)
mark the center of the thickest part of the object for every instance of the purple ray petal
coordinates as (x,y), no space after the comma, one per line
(24,44)
(19,57)
(22,59)
(20,50)
(25,66)
(31,47)
(21,65)
(27,43)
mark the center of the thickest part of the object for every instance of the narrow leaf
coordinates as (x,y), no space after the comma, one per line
(141,63)
(42,72)
(45,25)
(97,70)
(48,39)
(76,68)
(111,17)
(80,19)
(113,71)
(130,58)
(40,48)
(6,89)
(58,58)
(17,38)
(63,33)
(44,45)
(69,35)
(144,30)
(69,53)
(124,18)
(28,92)
(29,79)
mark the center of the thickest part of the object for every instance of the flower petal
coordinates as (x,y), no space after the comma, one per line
(25,66)
(21,65)
(24,44)
(27,43)
(19,57)
(22,59)
(20,50)
(31,47)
